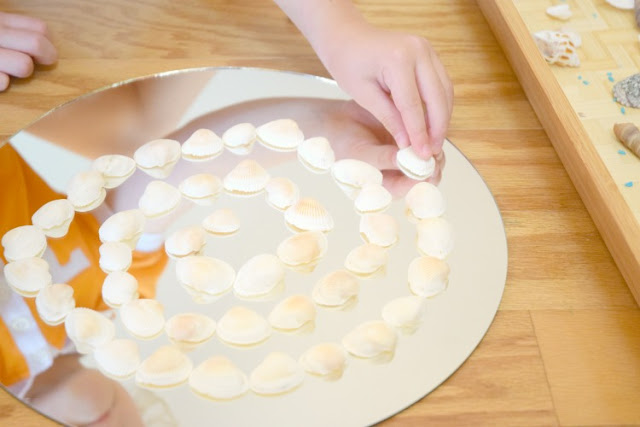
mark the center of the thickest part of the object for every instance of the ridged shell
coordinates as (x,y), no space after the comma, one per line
(355,173)
(280,135)
(372,199)
(202,145)
(143,318)
(118,359)
(278,373)
(424,200)
(281,192)
(190,328)
(336,289)
(88,329)
(302,249)
(428,276)
(158,157)
(246,179)
(239,139)
(115,256)
(205,274)
(413,166)
(380,229)
(54,217)
(218,378)
(366,259)
(125,226)
(308,214)
(167,367)
(259,275)
(221,222)
(115,168)
(242,326)
(371,339)
(292,313)
(27,276)
(119,288)
(202,189)
(54,302)
(185,241)
(159,198)
(25,241)
(86,191)
(435,237)
(403,312)
(325,359)
(316,154)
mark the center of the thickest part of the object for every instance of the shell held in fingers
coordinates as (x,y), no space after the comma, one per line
(413,166)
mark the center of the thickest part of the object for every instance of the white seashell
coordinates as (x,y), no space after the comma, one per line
(259,275)
(118,359)
(115,256)
(413,166)
(54,302)
(218,378)
(25,241)
(308,214)
(280,135)
(403,312)
(303,249)
(28,276)
(246,179)
(86,191)
(221,222)
(119,288)
(292,313)
(366,259)
(159,198)
(202,189)
(239,139)
(281,192)
(428,276)
(278,373)
(380,229)
(125,226)
(336,289)
(435,237)
(204,274)
(560,11)
(185,241)
(355,173)
(190,328)
(143,318)
(202,145)
(115,169)
(88,329)
(316,154)
(325,359)
(242,326)
(557,47)
(158,157)
(622,4)
(371,339)
(424,200)
(372,198)
(54,217)
(166,367)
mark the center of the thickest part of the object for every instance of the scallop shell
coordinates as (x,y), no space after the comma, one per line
(278,373)
(428,276)
(125,226)
(202,189)
(202,145)
(25,241)
(413,166)
(239,139)
(281,192)
(115,168)
(280,135)
(246,179)
(221,222)
(372,198)
(324,359)
(190,328)
(143,318)
(86,191)
(303,249)
(371,339)
(118,359)
(560,11)
(54,302)
(54,217)
(258,276)
(380,229)
(621,4)
(292,313)
(115,256)
(167,367)
(336,289)
(424,200)
(366,259)
(557,47)
(158,157)
(159,198)
(308,214)
(316,154)
(88,329)
(435,237)
(404,312)
(185,241)
(204,274)
(119,288)
(355,173)
(28,276)
(242,326)
(218,378)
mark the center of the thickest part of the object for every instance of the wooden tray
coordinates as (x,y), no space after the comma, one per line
(577,109)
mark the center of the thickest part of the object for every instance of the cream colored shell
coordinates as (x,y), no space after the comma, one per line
(424,200)
(124,226)
(115,169)
(246,179)
(88,329)
(118,359)
(372,198)
(324,359)
(292,313)
(379,228)
(86,190)
(560,11)
(371,339)
(218,378)
(202,189)
(54,217)
(435,237)
(25,241)
(259,276)
(119,288)
(143,318)
(316,154)
(281,192)
(277,373)
(621,4)
(404,312)
(158,157)
(428,276)
(303,249)
(202,145)
(243,326)
(221,222)
(167,367)
(189,328)
(414,166)
(158,198)
(336,289)
(115,256)
(355,173)
(185,241)
(28,276)
(54,302)
(308,214)
(204,274)
(280,135)
(239,139)
(366,259)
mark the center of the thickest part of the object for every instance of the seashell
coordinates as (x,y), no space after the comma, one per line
(25,241)
(221,222)
(281,192)
(119,288)
(627,91)
(413,166)
(88,329)
(246,179)
(424,200)
(560,11)
(54,217)
(435,237)
(202,189)
(336,289)
(204,274)
(218,378)
(308,214)
(557,47)
(371,339)
(629,135)
(125,226)
(190,328)
(325,359)
(202,145)
(292,313)
(403,312)
(158,157)
(86,191)
(303,249)
(242,326)
(239,139)
(185,241)
(159,198)
(143,318)
(28,276)
(115,169)
(115,256)
(621,4)
(379,228)
(280,135)
(278,373)
(259,275)
(54,302)
(316,154)
(118,359)
(372,199)
(428,276)
(366,259)
(355,173)
(166,367)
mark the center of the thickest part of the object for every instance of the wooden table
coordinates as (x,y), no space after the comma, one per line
(565,345)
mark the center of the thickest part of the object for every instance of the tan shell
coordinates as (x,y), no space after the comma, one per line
(435,237)
(54,217)
(371,339)
(119,288)
(25,241)
(143,318)
(292,313)
(424,200)
(366,259)
(380,229)
(372,198)
(242,326)
(88,329)
(336,289)
(316,154)
(202,189)
(428,276)
(218,378)
(239,139)
(413,166)
(281,192)
(222,222)
(115,256)
(115,168)
(158,157)
(355,173)
(27,276)
(259,276)
(54,302)
(202,145)
(125,226)
(278,373)
(404,312)
(167,367)
(324,359)
(118,359)
(159,198)
(204,274)
(86,191)
(190,328)
(308,214)
(280,135)
(185,241)
(303,249)
(246,179)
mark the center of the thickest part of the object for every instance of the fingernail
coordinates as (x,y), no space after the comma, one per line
(426,151)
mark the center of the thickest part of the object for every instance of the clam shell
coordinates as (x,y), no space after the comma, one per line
(302,249)
(292,313)
(118,359)
(246,179)
(166,367)
(278,373)
(204,274)
(366,259)
(403,312)
(125,226)
(221,222)
(413,166)
(54,302)
(372,199)
(355,173)
(259,275)
(380,229)
(119,288)
(560,11)
(158,157)
(371,339)
(202,189)
(281,192)
(190,328)
(202,145)
(28,276)
(239,139)
(159,198)
(336,289)
(280,135)
(308,214)
(115,256)
(185,241)
(143,318)
(428,276)
(435,237)
(54,217)
(115,168)
(218,378)
(242,326)
(25,241)
(88,329)
(86,191)
(316,154)
(324,359)
(424,200)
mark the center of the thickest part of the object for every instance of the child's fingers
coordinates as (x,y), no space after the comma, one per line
(21,22)
(31,43)
(435,98)
(15,63)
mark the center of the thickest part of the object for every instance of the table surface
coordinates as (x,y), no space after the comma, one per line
(564,348)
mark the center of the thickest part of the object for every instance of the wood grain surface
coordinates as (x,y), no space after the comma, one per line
(564,348)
